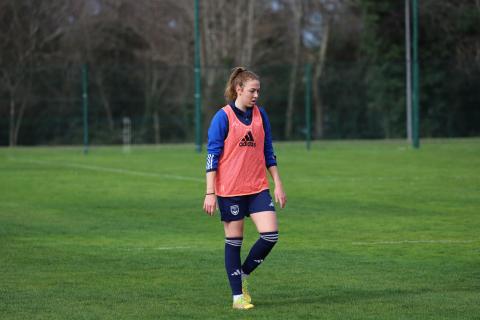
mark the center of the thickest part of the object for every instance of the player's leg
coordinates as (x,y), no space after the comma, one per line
(264,217)
(262,212)
(265,221)
(233,229)
(233,246)
(267,227)
(232,212)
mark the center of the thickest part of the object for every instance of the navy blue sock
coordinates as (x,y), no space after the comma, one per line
(233,263)
(259,251)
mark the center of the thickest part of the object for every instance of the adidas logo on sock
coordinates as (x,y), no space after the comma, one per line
(258,261)
(248,140)
(236,273)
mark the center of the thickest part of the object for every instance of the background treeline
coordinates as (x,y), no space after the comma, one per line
(139,56)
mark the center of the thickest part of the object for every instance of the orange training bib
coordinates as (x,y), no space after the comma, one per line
(241,168)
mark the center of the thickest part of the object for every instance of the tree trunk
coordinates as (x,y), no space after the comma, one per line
(18,121)
(319,65)
(98,77)
(211,52)
(105,102)
(238,30)
(147,98)
(156,126)
(150,94)
(297,16)
(12,140)
(247,47)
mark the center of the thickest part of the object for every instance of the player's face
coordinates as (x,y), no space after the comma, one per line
(248,95)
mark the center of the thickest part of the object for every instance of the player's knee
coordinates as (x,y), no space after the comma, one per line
(270,238)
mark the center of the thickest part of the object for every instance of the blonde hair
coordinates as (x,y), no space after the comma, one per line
(238,77)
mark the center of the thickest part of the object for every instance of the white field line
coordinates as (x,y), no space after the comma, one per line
(367,243)
(368,179)
(114,170)
(157,248)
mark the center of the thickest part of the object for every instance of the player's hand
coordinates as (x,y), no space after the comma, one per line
(280,196)
(210,204)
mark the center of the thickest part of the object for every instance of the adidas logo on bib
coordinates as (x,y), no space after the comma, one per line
(248,141)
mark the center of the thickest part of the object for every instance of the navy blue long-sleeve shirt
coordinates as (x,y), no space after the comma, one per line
(218,131)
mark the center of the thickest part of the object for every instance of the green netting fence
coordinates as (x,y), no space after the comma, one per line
(155,103)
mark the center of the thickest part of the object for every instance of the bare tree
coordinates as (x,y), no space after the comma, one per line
(167,28)
(319,21)
(92,33)
(319,64)
(34,30)
(324,15)
(228,39)
(296,8)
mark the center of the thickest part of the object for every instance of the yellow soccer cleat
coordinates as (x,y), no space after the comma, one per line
(242,304)
(246,294)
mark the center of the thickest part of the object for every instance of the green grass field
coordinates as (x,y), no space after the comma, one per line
(372,230)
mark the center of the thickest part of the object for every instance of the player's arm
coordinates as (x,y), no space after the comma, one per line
(280,196)
(210,203)
(271,160)
(217,133)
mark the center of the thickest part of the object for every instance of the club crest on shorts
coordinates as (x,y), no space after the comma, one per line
(234,209)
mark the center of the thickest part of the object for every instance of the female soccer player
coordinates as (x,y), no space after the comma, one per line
(239,153)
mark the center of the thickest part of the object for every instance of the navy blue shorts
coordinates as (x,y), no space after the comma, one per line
(237,208)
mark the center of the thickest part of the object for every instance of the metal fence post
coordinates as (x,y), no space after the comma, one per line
(415,80)
(308,104)
(85,107)
(198,95)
